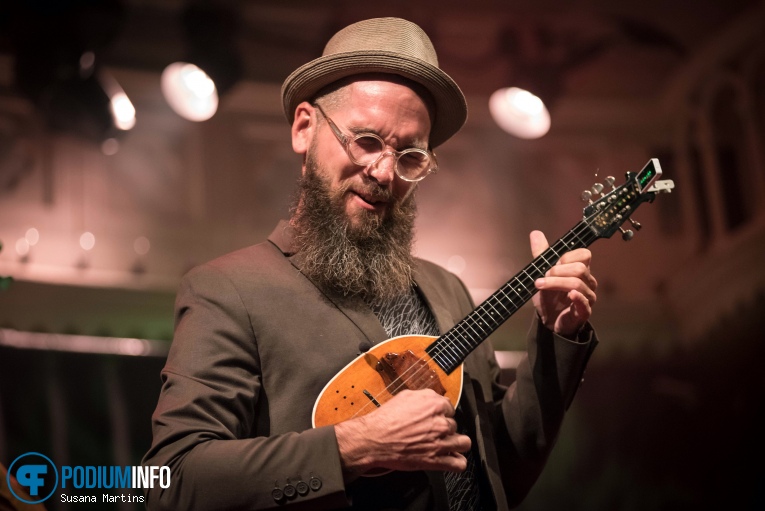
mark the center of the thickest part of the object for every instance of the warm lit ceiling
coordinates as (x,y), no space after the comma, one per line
(583,48)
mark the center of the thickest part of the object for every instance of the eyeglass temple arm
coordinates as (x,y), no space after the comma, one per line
(339,134)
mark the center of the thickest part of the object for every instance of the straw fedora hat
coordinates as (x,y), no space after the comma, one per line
(381,45)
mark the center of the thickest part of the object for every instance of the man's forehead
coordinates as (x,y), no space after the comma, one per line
(381,93)
(368,103)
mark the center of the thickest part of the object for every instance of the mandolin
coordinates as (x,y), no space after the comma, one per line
(425,362)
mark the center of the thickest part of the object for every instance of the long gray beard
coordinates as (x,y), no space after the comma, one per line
(372,260)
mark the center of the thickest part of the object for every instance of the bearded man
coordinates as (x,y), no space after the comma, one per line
(260,332)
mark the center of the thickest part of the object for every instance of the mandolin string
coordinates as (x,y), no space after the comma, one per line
(583,227)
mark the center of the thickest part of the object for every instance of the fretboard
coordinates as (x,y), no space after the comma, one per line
(451,349)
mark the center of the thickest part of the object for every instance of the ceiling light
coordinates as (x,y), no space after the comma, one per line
(87,241)
(123,111)
(189,91)
(120,106)
(211,64)
(57,48)
(519,112)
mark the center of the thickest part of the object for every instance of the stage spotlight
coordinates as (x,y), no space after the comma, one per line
(519,112)
(212,65)
(57,47)
(189,91)
(95,107)
(120,106)
(75,97)
(123,111)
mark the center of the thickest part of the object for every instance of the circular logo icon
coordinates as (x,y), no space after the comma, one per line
(36,474)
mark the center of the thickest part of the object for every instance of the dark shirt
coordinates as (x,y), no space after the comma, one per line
(408,315)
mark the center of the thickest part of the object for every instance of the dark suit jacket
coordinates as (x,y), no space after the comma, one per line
(256,342)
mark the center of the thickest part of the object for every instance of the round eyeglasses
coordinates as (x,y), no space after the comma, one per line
(365,149)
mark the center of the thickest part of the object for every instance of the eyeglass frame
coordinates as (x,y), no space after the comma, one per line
(345,141)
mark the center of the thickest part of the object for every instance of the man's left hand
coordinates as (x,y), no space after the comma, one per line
(567,291)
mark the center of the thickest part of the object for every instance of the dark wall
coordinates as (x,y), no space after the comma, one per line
(78,409)
(682,433)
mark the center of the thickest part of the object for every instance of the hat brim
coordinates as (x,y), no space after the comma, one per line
(307,80)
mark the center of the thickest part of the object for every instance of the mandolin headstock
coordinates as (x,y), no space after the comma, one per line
(605,215)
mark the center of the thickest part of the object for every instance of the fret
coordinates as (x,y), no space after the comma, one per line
(531,279)
(460,342)
(478,319)
(455,356)
(472,323)
(514,306)
(488,315)
(461,337)
(467,324)
(509,309)
(441,360)
(445,352)
(451,346)
(493,312)
(539,271)
(519,295)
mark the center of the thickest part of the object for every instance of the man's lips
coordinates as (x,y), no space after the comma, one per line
(370,200)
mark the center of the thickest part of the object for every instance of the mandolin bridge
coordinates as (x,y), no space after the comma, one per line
(406,371)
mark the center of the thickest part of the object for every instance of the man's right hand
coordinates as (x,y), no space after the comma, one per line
(415,430)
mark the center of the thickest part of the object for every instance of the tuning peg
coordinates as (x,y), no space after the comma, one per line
(597,188)
(610,180)
(587,196)
(637,225)
(627,235)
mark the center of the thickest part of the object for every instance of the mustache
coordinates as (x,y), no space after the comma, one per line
(370,189)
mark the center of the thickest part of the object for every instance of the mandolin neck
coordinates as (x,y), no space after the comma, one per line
(450,350)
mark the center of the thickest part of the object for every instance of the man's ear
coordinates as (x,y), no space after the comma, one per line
(303,127)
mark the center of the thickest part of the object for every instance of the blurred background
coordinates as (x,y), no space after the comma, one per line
(120,170)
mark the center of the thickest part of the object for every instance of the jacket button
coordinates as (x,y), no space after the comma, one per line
(289,491)
(277,495)
(315,483)
(302,487)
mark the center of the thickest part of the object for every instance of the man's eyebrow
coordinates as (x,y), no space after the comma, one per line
(358,129)
(410,143)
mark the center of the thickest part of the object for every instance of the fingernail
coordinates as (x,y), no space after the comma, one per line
(539,283)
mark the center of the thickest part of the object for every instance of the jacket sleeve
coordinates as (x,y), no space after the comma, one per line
(209,405)
(531,410)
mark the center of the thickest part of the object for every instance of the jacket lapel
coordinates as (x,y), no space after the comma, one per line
(435,301)
(355,310)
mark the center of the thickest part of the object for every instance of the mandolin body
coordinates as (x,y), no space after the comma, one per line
(374,377)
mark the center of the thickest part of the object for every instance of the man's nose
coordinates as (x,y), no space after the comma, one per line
(384,169)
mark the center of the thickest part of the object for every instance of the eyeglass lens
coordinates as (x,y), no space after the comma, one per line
(366,149)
